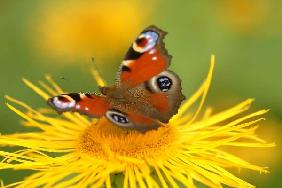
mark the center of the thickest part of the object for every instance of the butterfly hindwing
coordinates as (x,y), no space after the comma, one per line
(165,94)
(145,58)
(84,103)
(157,99)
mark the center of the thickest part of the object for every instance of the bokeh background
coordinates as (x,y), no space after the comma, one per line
(60,38)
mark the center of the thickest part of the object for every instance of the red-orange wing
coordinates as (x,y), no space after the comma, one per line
(88,104)
(145,58)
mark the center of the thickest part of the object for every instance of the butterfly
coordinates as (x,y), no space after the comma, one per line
(146,94)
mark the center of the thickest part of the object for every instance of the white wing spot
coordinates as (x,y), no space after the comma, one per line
(127,62)
(152,38)
(152,51)
(63,105)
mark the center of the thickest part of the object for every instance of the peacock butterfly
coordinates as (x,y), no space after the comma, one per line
(145,94)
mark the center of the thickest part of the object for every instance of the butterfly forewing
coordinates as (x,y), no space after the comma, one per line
(145,58)
(84,103)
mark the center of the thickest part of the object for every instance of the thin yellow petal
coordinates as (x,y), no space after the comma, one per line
(57,88)
(36,89)
(205,91)
(202,91)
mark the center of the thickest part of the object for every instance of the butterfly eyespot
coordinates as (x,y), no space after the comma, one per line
(118,118)
(164,83)
(141,42)
(146,41)
(62,102)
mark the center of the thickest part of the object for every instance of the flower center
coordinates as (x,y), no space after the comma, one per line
(105,139)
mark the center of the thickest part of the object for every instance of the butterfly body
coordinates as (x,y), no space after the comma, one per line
(145,94)
(135,100)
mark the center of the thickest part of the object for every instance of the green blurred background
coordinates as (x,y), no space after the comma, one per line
(60,37)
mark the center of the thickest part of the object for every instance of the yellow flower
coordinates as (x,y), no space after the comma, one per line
(72,151)
(270,132)
(83,29)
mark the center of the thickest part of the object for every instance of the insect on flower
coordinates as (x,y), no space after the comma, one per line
(71,150)
(145,92)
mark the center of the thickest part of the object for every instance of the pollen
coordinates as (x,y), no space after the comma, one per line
(105,139)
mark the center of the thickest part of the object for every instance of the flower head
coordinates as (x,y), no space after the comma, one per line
(70,150)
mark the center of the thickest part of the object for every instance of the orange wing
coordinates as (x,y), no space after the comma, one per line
(146,58)
(88,104)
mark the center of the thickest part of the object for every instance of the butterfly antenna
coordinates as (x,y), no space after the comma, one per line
(94,63)
(96,74)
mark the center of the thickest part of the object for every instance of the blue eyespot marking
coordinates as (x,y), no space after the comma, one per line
(146,41)
(164,83)
(118,118)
